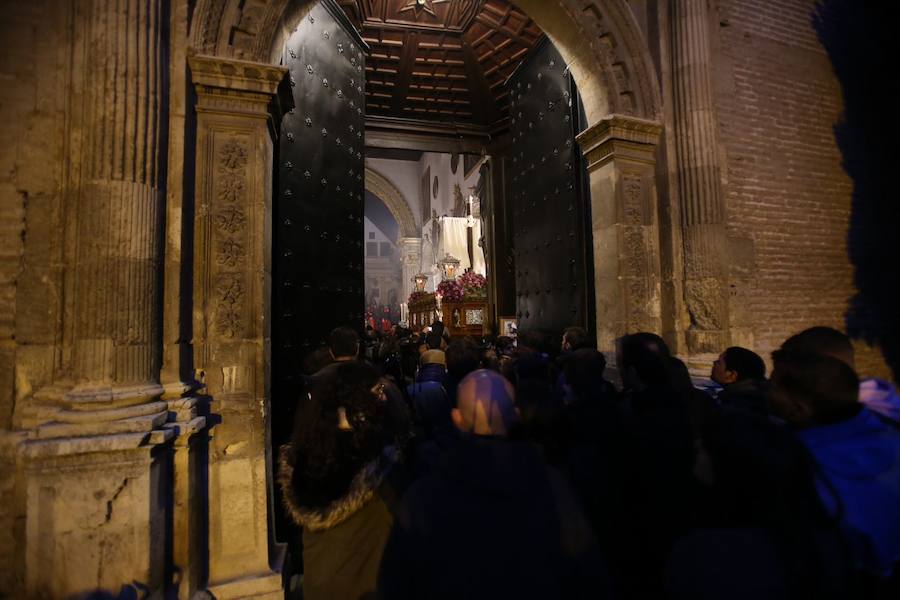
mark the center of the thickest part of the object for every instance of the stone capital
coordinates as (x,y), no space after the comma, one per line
(229,86)
(619,137)
(214,72)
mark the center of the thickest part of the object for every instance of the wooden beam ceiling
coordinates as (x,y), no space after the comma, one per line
(441,60)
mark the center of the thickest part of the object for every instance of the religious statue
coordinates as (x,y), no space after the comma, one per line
(436,237)
(459,203)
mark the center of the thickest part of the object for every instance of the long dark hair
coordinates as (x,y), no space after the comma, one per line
(325,457)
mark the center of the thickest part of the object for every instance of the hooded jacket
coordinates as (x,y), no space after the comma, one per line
(881,397)
(859,481)
(748,395)
(342,542)
(432,372)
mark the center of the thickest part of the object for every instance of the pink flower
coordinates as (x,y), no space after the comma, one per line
(473,280)
(416,296)
(451,291)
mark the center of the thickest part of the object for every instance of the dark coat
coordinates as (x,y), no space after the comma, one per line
(432,372)
(493,521)
(748,395)
(343,542)
(435,430)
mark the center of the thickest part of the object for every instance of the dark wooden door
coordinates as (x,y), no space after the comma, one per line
(317,231)
(548,198)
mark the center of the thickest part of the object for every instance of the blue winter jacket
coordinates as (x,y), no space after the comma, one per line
(859,481)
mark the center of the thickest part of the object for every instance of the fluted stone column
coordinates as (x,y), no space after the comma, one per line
(699,179)
(411,259)
(620,154)
(237,114)
(95,474)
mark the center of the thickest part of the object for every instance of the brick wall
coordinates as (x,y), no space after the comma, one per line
(788,199)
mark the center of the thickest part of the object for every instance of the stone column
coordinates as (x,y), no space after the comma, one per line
(699,179)
(94,476)
(232,281)
(620,154)
(411,259)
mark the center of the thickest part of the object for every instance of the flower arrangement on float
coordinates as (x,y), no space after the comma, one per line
(416,296)
(474,284)
(451,290)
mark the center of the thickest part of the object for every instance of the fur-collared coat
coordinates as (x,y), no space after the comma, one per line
(342,542)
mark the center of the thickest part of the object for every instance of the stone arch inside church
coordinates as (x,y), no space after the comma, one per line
(394,200)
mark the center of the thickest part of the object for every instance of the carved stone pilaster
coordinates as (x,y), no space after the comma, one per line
(235,126)
(620,155)
(699,179)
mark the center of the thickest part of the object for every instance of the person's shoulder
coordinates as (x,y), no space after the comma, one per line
(421,498)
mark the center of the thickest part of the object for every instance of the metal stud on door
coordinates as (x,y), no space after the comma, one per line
(549,204)
(316,206)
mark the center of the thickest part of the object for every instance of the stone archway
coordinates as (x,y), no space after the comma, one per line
(393,198)
(409,240)
(238,86)
(600,41)
(609,58)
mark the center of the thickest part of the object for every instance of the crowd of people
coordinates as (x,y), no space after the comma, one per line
(424,467)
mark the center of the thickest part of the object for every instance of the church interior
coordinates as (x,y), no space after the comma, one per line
(195,194)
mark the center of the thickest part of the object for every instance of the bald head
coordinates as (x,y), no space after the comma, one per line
(484,404)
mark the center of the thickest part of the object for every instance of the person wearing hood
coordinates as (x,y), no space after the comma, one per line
(857,453)
(879,396)
(742,375)
(432,367)
(339,477)
(493,520)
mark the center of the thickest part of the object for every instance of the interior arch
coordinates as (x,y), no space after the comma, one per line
(393,198)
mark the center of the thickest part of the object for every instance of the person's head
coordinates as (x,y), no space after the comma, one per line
(434,341)
(737,364)
(641,364)
(653,342)
(584,373)
(575,338)
(485,404)
(435,336)
(338,428)
(813,389)
(822,340)
(463,357)
(433,357)
(317,359)
(343,342)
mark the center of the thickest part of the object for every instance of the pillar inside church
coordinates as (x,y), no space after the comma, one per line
(411,259)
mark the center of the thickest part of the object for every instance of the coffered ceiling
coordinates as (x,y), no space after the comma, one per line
(442,60)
